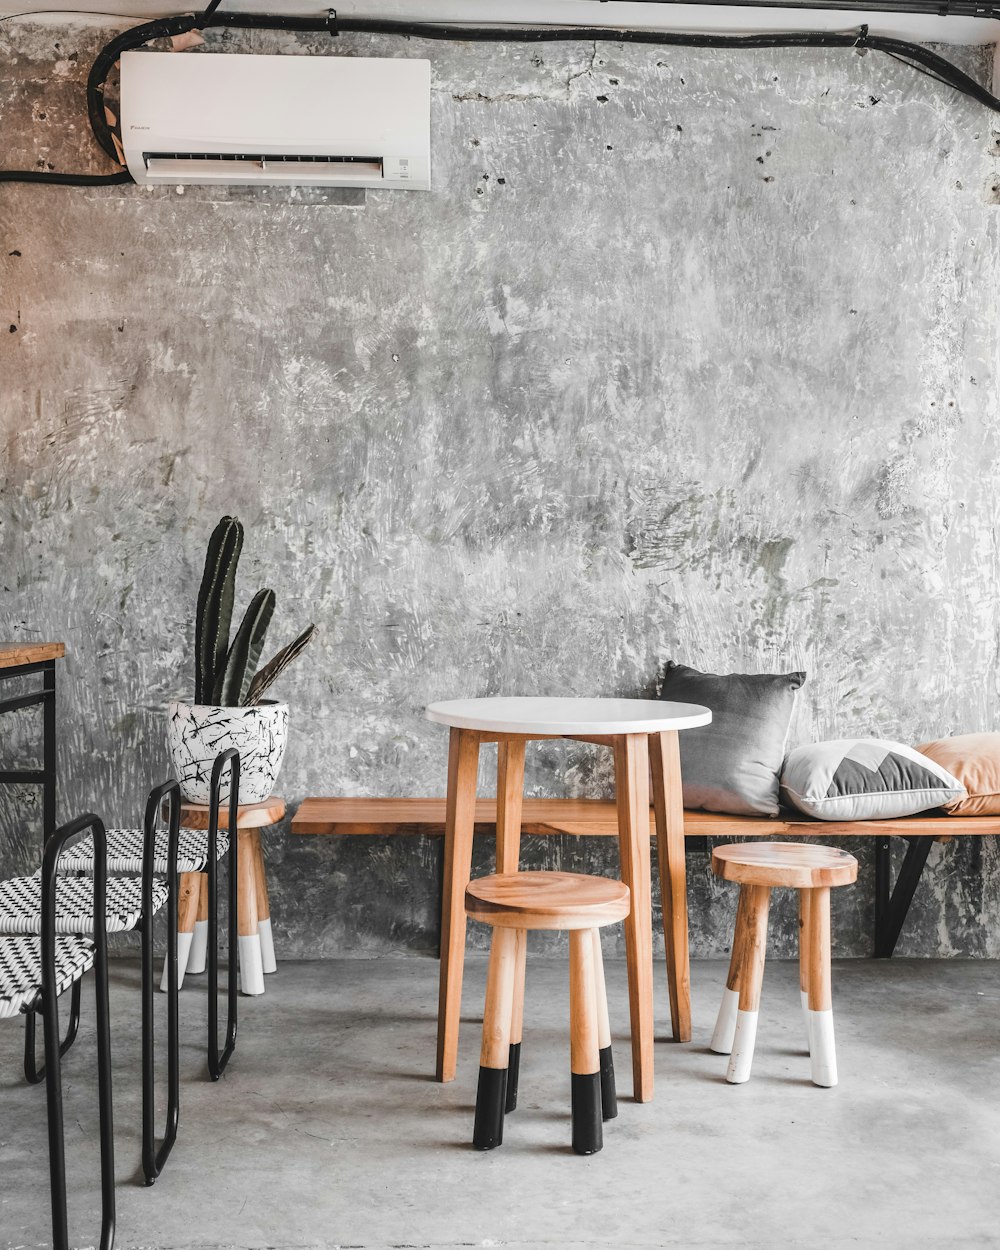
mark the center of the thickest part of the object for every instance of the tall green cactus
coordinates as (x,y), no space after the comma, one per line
(224,674)
(215,607)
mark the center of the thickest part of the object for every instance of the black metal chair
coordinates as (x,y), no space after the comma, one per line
(35,969)
(153,854)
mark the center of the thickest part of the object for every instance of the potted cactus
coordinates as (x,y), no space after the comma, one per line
(229,709)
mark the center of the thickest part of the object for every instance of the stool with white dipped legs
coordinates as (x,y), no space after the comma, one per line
(255,943)
(757,868)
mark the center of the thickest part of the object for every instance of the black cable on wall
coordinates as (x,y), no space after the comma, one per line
(912,54)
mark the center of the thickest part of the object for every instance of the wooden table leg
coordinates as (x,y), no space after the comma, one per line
(251,968)
(632,793)
(268,961)
(668,807)
(510,794)
(463,764)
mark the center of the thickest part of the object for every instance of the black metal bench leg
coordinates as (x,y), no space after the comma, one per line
(893,903)
(34,1074)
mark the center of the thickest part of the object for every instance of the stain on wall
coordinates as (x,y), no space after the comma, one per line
(689,354)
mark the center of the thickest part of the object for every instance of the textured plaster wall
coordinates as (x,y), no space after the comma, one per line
(688,354)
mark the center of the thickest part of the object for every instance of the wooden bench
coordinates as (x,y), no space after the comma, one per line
(596,818)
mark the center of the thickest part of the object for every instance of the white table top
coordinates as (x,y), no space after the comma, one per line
(568,717)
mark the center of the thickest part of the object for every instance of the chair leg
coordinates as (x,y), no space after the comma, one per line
(217,1060)
(251,963)
(491,1093)
(749,945)
(153,1159)
(267,959)
(104,1091)
(585,1063)
(821,1042)
(34,1074)
(609,1095)
(198,959)
(516,1021)
(53,1098)
(805,906)
(187,914)
(725,1021)
(57,1145)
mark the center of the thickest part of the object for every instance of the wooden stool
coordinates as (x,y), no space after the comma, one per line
(256,945)
(758,867)
(514,903)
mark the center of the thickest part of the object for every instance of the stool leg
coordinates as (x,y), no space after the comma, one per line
(749,944)
(251,965)
(821,1043)
(198,958)
(609,1095)
(725,1022)
(805,905)
(516,1020)
(491,1094)
(268,962)
(585,1063)
(187,914)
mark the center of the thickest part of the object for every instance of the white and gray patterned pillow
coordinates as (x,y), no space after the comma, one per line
(864,779)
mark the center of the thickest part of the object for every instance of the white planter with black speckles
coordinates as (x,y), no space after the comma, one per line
(196,733)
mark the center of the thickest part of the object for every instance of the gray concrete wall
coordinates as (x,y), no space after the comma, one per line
(688,354)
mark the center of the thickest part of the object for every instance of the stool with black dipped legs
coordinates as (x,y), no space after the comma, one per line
(514,904)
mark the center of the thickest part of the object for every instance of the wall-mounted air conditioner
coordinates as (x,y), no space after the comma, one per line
(199,117)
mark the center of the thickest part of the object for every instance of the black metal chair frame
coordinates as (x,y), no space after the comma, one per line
(218,1059)
(46,775)
(49,1008)
(168,795)
(153,1159)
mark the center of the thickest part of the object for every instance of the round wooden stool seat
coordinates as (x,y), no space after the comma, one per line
(547,900)
(796,865)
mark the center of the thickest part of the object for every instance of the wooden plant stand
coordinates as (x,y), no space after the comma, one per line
(256,945)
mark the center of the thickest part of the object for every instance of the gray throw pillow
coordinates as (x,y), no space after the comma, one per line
(734,764)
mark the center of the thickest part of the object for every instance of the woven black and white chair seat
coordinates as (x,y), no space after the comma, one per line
(21,970)
(21,904)
(125,848)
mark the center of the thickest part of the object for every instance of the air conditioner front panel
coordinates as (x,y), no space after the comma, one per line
(190,105)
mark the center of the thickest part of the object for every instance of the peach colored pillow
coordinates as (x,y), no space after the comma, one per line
(975,760)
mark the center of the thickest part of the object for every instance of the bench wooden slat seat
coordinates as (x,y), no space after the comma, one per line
(597,818)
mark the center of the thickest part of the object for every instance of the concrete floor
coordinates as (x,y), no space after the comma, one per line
(327,1130)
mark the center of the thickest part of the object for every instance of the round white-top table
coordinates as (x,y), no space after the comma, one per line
(568,718)
(642,733)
